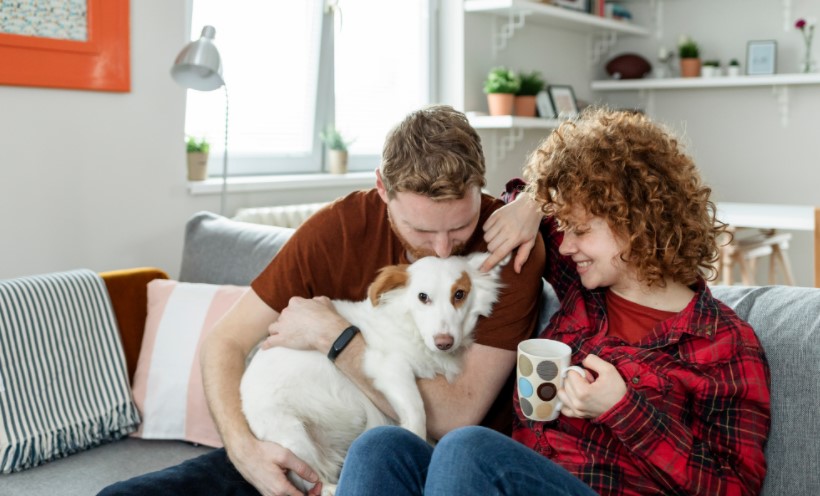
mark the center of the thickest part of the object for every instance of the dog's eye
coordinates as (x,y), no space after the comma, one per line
(459,295)
(423,297)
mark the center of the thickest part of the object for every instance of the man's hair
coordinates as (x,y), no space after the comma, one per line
(620,166)
(433,152)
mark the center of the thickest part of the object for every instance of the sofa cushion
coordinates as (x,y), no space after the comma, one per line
(218,250)
(63,379)
(168,383)
(787,321)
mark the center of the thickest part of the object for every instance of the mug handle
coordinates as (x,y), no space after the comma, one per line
(558,403)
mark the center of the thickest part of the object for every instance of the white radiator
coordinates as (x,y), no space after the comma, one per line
(281,215)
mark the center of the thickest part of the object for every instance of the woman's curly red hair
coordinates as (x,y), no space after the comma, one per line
(622,167)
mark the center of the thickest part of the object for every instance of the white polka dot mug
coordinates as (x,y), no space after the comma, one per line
(541,368)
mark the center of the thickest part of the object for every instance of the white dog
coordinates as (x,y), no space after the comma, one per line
(417,322)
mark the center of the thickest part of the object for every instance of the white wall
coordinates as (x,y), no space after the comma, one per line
(735,135)
(97,180)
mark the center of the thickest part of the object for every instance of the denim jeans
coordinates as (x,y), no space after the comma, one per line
(470,460)
(208,474)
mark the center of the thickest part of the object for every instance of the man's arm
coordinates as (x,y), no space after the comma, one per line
(222,359)
(314,324)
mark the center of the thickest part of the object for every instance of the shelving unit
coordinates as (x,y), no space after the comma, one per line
(553,16)
(504,143)
(512,122)
(779,83)
(515,13)
(715,82)
(509,16)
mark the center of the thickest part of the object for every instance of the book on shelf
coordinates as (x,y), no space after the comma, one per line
(596,7)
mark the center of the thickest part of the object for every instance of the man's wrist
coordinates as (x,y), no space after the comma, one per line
(341,342)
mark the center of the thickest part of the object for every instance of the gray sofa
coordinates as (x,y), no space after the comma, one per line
(222,251)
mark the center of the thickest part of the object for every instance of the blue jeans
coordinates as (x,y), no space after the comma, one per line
(470,460)
(211,473)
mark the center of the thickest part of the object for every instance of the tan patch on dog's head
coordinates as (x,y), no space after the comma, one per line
(389,278)
(460,289)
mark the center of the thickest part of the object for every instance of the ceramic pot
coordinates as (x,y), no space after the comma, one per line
(337,161)
(197,166)
(524,106)
(501,103)
(689,67)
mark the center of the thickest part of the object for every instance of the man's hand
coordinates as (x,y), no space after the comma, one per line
(589,399)
(306,324)
(513,225)
(265,465)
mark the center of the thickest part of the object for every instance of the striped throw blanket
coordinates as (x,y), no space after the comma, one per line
(63,382)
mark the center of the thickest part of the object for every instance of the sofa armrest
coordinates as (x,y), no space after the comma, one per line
(129,298)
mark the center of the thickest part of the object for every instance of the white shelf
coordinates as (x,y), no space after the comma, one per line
(552,16)
(512,122)
(715,82)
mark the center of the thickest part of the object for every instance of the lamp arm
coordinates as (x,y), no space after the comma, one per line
(223,195)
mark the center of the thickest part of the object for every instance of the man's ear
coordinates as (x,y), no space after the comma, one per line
(380,186)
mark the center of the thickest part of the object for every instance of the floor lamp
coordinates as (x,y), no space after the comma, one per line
(198,67)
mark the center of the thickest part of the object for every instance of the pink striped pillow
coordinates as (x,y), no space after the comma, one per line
(167,383)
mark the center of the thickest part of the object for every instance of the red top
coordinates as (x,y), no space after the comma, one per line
(695,417)
(631,321)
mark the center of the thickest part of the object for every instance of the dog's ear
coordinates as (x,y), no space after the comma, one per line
(389,278)
(477,259)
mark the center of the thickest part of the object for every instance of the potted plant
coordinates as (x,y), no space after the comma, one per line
(501,86)
(336,149)
(531,84)
(734,68)
(710,68)
(689,54)
(197,158)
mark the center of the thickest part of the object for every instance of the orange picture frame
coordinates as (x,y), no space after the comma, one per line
(102,62)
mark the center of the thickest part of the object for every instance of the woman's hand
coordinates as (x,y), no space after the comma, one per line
(585,399)
(513,225)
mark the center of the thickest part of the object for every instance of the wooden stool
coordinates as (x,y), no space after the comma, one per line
(745,251)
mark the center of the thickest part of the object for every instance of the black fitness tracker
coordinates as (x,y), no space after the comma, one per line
(341,342)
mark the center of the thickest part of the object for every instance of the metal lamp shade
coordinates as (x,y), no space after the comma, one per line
(198,65)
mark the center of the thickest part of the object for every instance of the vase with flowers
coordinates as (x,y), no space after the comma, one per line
(806,28)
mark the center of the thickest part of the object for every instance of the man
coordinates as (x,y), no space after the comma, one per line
(427,201)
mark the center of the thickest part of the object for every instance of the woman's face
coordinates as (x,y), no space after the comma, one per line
(596,250)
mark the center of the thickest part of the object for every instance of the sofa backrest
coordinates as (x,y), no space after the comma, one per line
(787,321)
(218,250)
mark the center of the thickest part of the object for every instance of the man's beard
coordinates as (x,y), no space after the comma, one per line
(418,253)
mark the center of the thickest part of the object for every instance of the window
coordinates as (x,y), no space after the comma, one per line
(292,68)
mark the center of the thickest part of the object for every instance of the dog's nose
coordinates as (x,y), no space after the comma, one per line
(444,341)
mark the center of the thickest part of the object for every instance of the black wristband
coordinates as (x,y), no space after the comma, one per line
(341,342)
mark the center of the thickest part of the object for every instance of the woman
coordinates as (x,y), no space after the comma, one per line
(677,398)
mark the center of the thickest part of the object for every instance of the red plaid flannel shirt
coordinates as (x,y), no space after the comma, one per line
(695,417)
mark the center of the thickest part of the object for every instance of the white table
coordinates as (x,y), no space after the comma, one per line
(772,216)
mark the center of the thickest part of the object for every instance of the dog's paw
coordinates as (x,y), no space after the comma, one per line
(328,489)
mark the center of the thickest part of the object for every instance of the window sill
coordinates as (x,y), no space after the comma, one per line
(242,184)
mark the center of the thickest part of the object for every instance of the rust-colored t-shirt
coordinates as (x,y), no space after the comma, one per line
(338,251)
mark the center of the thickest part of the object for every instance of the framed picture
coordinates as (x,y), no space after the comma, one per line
(81,46)
(761,57)
(544,105)
(582,5)
(563,100)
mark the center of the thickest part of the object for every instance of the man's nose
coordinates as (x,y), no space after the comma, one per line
(442,245)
